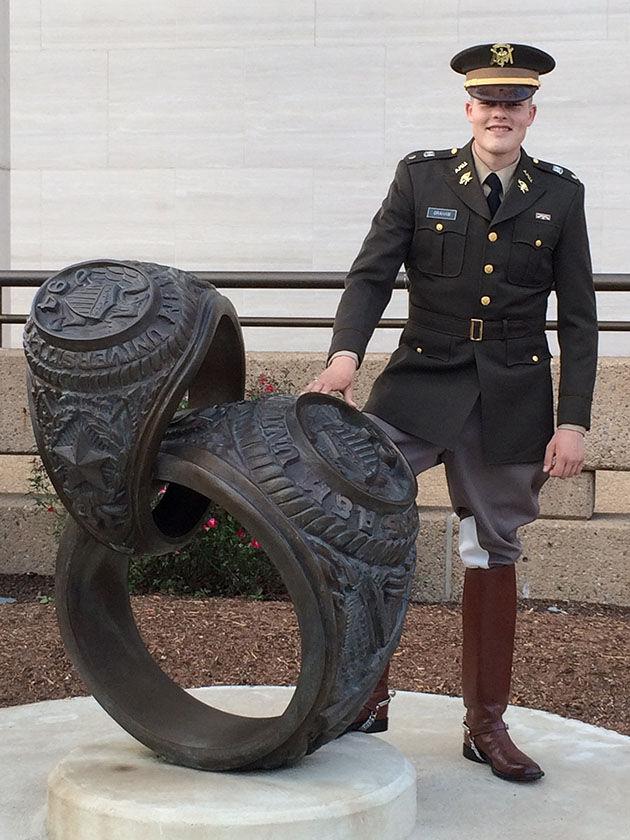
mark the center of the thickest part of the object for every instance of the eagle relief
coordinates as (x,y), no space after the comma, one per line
(95,302)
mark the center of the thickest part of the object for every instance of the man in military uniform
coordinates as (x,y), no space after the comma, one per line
(485,233)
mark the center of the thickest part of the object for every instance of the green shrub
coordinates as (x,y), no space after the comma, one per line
(224,560)
(44,496)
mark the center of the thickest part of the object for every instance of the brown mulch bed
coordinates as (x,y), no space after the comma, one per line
(574,662)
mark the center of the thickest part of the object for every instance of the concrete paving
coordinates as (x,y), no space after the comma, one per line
(584,795)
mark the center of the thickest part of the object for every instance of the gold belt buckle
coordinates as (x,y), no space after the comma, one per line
(476,329)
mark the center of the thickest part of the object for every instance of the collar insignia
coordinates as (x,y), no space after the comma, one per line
(522,186)
(466,178)
(460,167)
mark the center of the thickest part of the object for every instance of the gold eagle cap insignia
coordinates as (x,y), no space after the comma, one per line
(502,54)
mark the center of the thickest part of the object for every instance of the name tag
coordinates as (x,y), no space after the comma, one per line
(441,213)
(543,217)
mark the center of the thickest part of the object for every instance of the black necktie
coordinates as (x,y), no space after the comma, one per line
(494,196)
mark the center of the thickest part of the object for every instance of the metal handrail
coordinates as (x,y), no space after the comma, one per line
(294,280)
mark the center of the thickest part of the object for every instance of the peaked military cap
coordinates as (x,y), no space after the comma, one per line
(502,72)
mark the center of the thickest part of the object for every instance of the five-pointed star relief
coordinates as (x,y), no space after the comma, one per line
(83,461)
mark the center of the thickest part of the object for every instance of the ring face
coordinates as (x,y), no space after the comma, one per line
(354,448)
(94,305)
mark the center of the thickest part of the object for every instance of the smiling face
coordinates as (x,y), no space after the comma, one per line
(499,129)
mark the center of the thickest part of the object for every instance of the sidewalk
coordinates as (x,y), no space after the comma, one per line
(583,795)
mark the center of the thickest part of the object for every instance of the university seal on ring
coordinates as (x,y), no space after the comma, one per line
(97,303)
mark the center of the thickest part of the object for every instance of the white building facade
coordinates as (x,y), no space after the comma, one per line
(263,135)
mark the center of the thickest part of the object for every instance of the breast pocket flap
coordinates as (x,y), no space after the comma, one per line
(536,234)
(444,225)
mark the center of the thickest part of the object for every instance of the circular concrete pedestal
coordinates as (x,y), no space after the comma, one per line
(356,787)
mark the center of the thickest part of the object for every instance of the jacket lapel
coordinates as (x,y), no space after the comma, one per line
(462,179)
(524,190)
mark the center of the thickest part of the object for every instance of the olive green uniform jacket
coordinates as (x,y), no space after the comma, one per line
(463,265)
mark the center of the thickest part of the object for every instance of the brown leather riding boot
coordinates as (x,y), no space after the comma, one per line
(489,622)
(373,716)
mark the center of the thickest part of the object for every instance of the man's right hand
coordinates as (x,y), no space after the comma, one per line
(338,376)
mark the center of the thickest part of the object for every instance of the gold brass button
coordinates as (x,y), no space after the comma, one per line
(492,236)
(488,268)
(454,150)
(535,160)
(485,300)
(538,243)
(418,349)
(439,226)
(535,359)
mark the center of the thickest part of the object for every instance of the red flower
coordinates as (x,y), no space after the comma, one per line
(241,533)
(210,524)
(269,389)
(255,544)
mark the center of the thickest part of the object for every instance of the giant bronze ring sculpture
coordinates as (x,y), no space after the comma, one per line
(112,348)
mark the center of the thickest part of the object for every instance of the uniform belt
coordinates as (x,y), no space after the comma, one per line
(476,329)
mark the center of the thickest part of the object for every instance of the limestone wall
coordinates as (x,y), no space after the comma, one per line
(578,550)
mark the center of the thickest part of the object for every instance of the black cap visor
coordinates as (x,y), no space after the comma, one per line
(501,93)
